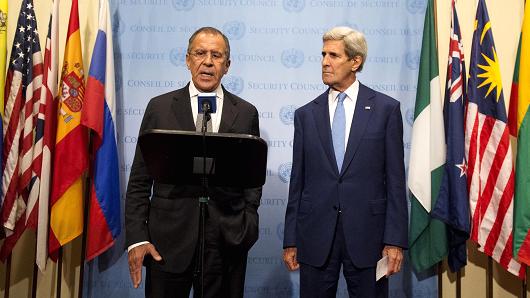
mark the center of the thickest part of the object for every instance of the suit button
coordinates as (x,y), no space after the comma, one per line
(340,180)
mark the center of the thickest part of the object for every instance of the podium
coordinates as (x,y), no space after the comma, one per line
(172,157)
(204,159)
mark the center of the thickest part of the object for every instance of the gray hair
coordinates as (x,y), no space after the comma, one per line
(210,30)
(354,42)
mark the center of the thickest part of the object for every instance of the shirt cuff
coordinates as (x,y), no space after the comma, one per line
(136,245)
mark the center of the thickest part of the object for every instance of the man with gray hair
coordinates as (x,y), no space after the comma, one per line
(347,201)
(162,220)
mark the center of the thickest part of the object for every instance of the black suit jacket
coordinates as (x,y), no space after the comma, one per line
(170,219)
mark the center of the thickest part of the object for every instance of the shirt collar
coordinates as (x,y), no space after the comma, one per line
(351,91)
(194,92)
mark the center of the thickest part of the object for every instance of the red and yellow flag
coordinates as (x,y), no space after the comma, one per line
(70,156)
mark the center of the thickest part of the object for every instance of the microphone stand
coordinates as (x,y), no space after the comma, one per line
(203,199)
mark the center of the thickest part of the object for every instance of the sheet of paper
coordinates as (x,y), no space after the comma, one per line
(382,268)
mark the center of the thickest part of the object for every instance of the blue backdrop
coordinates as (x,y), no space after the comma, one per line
(276,47)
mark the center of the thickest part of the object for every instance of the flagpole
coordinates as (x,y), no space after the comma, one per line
(86,213)
(59,271)
(489,278)
(8,276)
(34,280)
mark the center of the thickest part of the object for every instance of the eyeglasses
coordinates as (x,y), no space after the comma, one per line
(200,55)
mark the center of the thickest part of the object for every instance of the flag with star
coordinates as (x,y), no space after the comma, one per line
(22,94)
(519,103)
(452,206)
(490,170)
(427,237)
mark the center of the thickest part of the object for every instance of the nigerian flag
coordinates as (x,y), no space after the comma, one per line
(428,236)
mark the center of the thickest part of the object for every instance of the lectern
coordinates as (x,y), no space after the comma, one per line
(207,159)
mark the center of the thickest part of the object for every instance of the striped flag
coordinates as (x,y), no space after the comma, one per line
(427,237)
(45,134)
(488,151)
(70,155)
(23,87)
(99,115)
(452,206)
(521,129)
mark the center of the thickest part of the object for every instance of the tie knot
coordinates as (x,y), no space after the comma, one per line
(341,97)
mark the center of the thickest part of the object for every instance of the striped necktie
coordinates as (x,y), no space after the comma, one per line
(338,130)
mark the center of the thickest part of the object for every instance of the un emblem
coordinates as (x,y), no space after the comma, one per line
(279,231)
(409,116)
(234,30)
(118,25)
(183,4)
(292,58)
(284,172)
(293,5)
(287,114)
(412,59)
(416,6)
(233,84)
(177,56)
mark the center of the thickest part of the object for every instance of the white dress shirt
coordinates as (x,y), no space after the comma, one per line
(216,117)
(349,107)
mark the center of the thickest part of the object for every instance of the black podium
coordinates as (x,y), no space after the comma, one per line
(238,160)
(204,159)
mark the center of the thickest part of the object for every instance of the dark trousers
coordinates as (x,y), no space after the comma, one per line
(224,272)
(322,281)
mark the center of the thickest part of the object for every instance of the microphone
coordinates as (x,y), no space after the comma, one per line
(207,103)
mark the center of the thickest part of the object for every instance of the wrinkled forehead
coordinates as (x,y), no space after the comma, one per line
(209,41)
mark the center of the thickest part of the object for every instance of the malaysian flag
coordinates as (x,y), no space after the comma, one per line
(23,88)
(488,150)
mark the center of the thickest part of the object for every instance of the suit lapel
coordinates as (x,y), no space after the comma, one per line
(229,115)
(321,115)
(181,108)
(361,117)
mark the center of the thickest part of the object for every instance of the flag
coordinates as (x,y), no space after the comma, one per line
(3,53)
(521,248)
(23,87)
(70,155)
(99,115)
(452,206)
(45,139)
(428,238)
(488,151)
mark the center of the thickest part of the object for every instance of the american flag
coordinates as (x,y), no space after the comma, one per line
(452,206)
(23,89)
(488,151)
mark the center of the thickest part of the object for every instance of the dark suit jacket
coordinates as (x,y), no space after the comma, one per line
(369,189)
(170,219)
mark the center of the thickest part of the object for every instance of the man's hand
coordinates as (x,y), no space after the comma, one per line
(136,258)
(395,257)
(289,258)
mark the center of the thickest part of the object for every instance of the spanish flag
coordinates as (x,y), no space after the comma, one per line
(70,156)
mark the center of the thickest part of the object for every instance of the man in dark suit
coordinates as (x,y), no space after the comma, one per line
(161,220)
(347,203)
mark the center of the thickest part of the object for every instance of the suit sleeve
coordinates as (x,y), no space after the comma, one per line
(296,184)
(138,193)
(396,226)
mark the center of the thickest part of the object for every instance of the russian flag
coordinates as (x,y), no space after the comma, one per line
(99,115)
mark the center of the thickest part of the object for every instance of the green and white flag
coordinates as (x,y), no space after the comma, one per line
(428,236)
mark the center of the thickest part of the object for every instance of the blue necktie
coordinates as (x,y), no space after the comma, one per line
(338,130)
